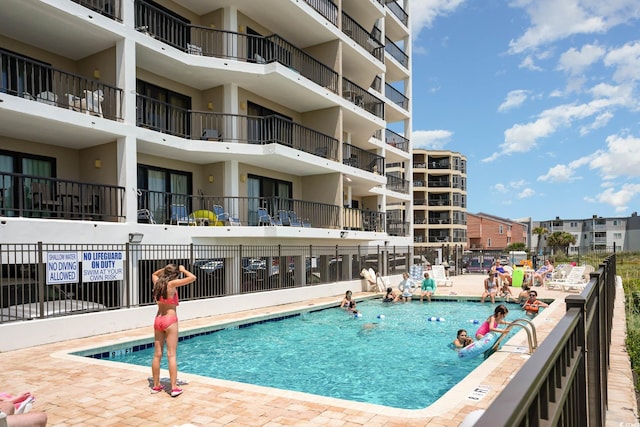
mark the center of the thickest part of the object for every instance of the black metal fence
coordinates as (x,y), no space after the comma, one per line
(48,280)
(565,380)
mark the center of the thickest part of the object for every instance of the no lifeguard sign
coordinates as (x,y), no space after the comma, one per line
(100,266)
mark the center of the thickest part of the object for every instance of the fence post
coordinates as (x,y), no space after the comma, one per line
(579,302)
(41,280)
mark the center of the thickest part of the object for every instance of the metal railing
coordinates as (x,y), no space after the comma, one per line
(362,159)
(565,381)
(366,220)
(205,41)
(395,228)
(396,140)
(396,52)
(166,118)
(364,38)
(439,202)
(398,11)
(396,96)
(362,98)
(33,196)
(43,280)
(395,183)
(326,8)
(110,8)
(439,183)
(173,208)
(39,82)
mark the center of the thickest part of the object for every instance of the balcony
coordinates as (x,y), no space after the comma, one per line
(204,41)
(362,37)
(39,82)
(396,52)
(396,140)
(439,220)
(358,158)
(439,183)
(325,8)
(395,228)
(439,202)
(439,164)
(215,127)
(109,8)
(396,96)
(364,220)
(398,11)
(395,183)
(362,98)
(31,196)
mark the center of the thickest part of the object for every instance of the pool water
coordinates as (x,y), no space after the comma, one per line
(393,355)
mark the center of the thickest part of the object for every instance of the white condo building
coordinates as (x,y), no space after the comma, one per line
(205,121)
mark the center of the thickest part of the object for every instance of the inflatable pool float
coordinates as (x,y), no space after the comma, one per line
(517,277)
(206,215)
(478,347)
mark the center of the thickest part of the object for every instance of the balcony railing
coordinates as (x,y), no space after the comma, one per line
(362,159)
(325,8)
(439,164)
(397,228)
(397,184)
(439,221)
(166,118)
(396,140)
(365,39)
(439,202)
(398,11)
(110,8)
(362,98)
(365,220)
(396,96)
(439,183)
(33,196)
(418,183)
(201,210)
(198,40)
(396,52)
(36,81)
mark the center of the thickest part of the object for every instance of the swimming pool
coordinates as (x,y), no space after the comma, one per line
(393,355)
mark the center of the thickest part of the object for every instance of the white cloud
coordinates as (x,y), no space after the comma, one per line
(431,139)
(553,20)
(618,199)
(500,188)
(600,121)
(626,59)
(528,63)
(574,62)
(424,12)
(621,158)
(526,193)
(514,99)
(565,173)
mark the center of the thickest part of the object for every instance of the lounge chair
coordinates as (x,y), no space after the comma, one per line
(294,220)
(574,278)
(221,215)
(265,219)
(440,276)
(416,273)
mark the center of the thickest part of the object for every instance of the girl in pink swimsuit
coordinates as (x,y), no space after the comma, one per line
(165,326)
(491,324)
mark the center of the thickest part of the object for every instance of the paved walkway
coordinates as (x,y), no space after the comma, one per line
(88,392)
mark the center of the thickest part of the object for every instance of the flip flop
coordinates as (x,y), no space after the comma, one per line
(25,406)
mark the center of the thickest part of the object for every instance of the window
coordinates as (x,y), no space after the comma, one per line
(488,243)
(500,229)
(163,110)
(27,164)
(617,235)
(164,187)
(573,224)
(264,192)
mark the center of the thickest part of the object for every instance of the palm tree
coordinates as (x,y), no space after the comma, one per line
(539,231)
(561,240)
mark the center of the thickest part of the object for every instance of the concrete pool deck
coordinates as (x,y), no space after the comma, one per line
(89,392)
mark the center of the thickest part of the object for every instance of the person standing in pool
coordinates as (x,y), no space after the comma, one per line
(533,304)
(346,300)
(390,296)
(491,324)
(462,339)
(165,327)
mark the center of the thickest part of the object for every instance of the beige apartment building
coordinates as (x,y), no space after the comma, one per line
(211,122)
(439,200)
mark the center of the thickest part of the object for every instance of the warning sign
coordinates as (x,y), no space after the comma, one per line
(62,267)
(100,266)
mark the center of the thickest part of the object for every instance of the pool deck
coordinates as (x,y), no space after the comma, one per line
(88,392)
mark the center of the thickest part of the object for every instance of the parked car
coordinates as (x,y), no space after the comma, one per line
(474,266)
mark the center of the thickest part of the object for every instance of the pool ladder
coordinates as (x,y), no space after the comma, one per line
(525,324)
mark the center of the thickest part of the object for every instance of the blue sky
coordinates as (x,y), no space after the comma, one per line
(541,96)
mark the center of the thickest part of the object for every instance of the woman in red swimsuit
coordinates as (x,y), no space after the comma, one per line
(165,326)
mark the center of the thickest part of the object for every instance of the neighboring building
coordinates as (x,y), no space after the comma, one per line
(121,117)
(595,233)
(439,199)
(492,233)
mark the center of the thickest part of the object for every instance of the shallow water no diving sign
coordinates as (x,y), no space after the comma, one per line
(478,393)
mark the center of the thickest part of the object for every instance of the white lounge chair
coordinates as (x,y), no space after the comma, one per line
(573,280)
(440,276)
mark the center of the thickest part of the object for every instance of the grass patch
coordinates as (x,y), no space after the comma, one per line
(628,268)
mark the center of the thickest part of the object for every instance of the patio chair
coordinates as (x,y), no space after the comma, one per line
(180,216)
(284,217)
(294,220)
(221,215)
(573,279)
(145,217)
(264,218)
(416,273)
(43,199)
